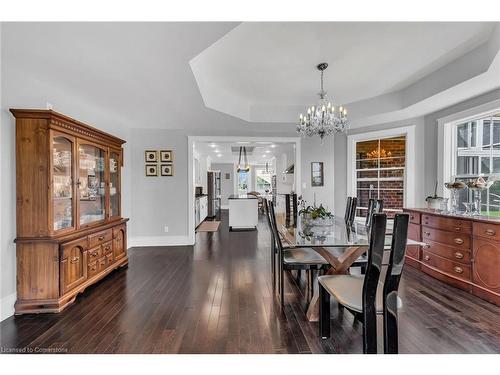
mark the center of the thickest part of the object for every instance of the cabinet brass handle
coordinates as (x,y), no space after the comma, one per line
(94,253)
(459,241)
(412,217)
(100,238)
(458,269)
(74,259)
(427,257)
(459,255)
(106,248)
(457,229)
(489,232)
(427,233)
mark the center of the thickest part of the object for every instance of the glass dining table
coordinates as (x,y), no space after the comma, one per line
(339,243)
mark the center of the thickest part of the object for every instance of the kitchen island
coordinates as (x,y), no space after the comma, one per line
(243,212)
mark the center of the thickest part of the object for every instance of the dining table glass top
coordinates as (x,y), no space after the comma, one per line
(334,232)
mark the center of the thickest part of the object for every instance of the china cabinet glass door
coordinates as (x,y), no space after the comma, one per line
(114,183)
(62,182)
(91,184)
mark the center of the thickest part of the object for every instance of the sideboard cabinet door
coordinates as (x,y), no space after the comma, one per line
(119,242)
(73,264)
(486,265)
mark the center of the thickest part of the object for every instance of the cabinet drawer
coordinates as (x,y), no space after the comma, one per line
(486,230)
(92,269)
(454,225)
(457,240)
(101,264)
(449,252)
(100,238)
(107,247)
(109,259)
(414,217)
(450,267)
(94,254)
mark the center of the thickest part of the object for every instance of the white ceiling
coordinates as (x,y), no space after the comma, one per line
(262,75)
(266,71)
(262,152)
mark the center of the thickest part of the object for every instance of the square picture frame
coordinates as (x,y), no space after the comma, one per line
(151,170)
(151,156)
(167,169)
(317,175)
(166,156)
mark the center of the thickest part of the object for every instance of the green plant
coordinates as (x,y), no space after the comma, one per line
(316,212)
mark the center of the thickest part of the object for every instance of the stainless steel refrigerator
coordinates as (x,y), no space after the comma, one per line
(214,200)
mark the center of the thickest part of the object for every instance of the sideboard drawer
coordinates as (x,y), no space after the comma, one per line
(450,267)
(457,240)
(451,224)
(92,269)
(100,238)
(449,252)
(414,232)
(94,254)
(414,217)
(486,230)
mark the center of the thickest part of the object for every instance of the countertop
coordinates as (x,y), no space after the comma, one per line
(481,218)
(242,196)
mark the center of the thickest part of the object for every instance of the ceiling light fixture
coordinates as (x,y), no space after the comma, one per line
(323,119)
(213,145)
(245,167)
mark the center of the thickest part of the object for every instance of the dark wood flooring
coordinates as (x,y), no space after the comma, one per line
(216,297)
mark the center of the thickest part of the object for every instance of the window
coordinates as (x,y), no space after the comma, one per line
(476,151)
(243,182)
(380,173)
(262,180)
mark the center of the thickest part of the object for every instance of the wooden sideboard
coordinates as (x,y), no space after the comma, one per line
(70,232)
(461,251)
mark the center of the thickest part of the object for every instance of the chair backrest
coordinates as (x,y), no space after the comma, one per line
(374,206)
(352,211)
(391,282)
(370,284)
(347,209)
(274,229)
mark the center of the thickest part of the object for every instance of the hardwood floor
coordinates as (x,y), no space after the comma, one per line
(217,297)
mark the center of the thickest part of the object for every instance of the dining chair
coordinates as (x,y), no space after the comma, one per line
(350,209)
(266,205)
(293,258)
(365,296)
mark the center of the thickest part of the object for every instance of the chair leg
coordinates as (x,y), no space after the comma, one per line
(324,313)
(311,283)
(391,325)
(369,332)
(282,285)
(273,266)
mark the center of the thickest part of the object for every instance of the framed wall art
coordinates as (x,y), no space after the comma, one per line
(152,170)
(317,178)
(167,169)
(151,156)
(166,156)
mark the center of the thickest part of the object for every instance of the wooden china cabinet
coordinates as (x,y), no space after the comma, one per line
(70,233)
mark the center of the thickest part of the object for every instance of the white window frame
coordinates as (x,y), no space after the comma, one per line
(409,176)
(447,136)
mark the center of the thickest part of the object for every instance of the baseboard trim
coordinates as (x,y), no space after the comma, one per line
(7,306)
(159,241)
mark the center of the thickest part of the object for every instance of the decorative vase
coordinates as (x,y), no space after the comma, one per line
(454,188)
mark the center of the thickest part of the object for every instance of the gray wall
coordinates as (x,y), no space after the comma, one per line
(426,149)
(313,150)
(227,186)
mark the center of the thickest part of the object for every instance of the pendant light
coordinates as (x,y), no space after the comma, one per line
(246,166)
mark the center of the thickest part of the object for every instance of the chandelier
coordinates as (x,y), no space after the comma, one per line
(323,119)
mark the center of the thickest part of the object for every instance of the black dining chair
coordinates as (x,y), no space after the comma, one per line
(365,296)
(292,258)
(374,206)
(350,209)
(265,205)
